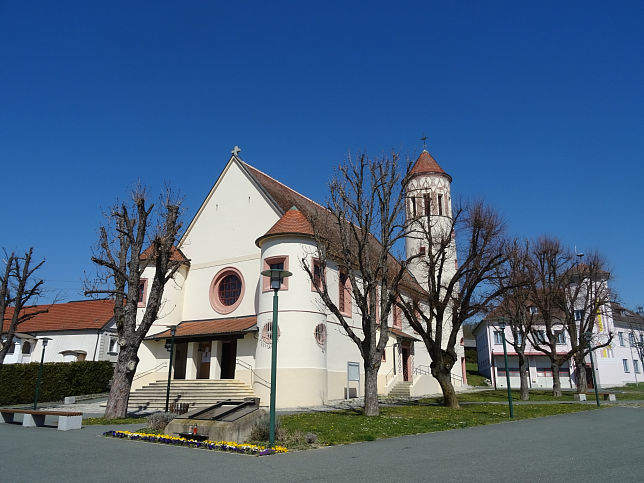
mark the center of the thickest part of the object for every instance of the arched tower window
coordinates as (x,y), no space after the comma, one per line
(428,204)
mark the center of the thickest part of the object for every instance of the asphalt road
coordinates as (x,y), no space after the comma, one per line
(602,445)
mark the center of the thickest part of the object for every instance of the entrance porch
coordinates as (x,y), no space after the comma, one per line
(211,349)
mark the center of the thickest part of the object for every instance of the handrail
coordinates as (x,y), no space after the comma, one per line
(150,371)
(389,376)
(254,377)
(457,377)
(421,371)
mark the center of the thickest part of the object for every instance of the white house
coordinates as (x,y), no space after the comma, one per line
(615,365)
(76,331)
(222,306)
(628,339)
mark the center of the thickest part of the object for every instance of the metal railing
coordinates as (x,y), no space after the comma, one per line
(150,371)
(254,378)
(422,370)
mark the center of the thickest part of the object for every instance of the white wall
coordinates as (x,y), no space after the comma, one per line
(91,342)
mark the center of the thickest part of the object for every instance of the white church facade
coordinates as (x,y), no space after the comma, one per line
(222,306)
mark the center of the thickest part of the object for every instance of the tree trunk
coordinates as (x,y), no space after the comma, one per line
(444,378)
(371,407)
(523,372)
(580,375)
(122,382)
(556,380)
(3,353)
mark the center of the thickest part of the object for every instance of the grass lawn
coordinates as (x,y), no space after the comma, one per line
(339,427)
(622,393)
(473,376)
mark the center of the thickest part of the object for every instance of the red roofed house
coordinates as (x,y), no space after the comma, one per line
(222,306)
(82,330)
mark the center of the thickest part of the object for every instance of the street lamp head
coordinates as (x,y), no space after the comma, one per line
(45,340)
(277,276)
(588,336)
(502,325)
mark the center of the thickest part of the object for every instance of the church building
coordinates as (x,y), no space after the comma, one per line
(221,305)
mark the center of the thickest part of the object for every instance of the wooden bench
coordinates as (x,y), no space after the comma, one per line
(35,417)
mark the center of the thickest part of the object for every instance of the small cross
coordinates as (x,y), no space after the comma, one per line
(424,140)
(236,150)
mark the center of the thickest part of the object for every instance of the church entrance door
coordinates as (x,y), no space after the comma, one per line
(228,358)
(203,371)
(180,357)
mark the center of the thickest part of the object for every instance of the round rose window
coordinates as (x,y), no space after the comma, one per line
(226,290)
(229,289)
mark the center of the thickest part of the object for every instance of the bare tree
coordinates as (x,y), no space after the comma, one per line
(561,290)
(587,298)
(18,290)
(455,294)
(120,261)
(549,264)
(514,309)
(366,199)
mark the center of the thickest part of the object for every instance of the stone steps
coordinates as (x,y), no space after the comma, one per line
(400,390)
(196,393)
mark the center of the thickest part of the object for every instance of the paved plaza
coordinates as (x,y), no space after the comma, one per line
(602,445)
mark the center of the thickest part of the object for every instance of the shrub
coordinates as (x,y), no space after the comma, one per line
(261,430)
(158,421)
(59,379)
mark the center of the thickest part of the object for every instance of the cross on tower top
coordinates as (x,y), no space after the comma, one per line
(424,140)
(236,150)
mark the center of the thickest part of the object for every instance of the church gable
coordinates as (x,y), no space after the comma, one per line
(234,214)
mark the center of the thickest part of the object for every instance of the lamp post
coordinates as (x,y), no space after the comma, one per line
(173,331)
(276,276)
(507,369)
(589,336)
(44,341)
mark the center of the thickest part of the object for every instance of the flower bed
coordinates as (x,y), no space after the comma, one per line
(229,446)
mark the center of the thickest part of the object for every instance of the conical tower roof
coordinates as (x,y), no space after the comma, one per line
(293,222)
(426,164)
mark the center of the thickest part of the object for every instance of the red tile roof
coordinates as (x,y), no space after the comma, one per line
(285,198)
(426,164)
(81,315)
(191,328)
(293,222)
(176,254)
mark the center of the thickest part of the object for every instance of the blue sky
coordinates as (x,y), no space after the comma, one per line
(539,109)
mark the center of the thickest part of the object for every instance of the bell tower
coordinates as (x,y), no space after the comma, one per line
(428,211)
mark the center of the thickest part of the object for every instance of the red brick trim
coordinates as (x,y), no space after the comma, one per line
(266,282)
(144,297)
